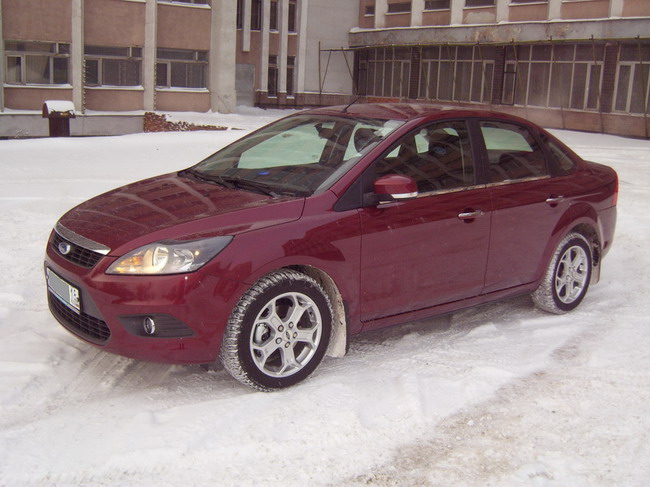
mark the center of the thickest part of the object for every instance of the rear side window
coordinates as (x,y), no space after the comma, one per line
(563,160)
(513,152)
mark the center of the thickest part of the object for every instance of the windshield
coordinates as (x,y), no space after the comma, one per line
(298,155)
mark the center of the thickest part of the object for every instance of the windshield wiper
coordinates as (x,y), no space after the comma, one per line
(247,184)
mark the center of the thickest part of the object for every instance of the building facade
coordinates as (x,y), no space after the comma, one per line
(576,64)
(171,55)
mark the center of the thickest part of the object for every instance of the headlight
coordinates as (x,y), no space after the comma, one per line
(169,257)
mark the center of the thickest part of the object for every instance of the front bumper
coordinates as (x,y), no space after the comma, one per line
(192,311)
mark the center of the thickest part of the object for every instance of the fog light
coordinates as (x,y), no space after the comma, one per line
(149,325)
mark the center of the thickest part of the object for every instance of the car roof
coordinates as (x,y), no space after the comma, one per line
(409,111)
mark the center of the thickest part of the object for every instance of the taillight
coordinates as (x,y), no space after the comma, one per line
(615,198)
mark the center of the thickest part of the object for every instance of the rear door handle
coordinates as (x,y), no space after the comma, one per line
(554,200)
(470,215)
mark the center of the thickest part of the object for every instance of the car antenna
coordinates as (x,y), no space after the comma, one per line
(353,102)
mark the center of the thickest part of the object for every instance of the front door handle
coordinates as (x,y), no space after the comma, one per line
(470,214)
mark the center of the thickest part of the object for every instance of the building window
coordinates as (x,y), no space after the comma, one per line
(113,66)
(457,73)
(293,13)
(181,68)
(272,87)
(555,76)
(196,2)
(633,79)
(370,10)
(528,1)
(385,72)
(256,15)
(273,21)
(291,63)
(240,14)
(399,8)
(42,63)
(436,4)
(479,3)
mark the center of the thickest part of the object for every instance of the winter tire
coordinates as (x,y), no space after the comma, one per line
(567,278)
(278,332)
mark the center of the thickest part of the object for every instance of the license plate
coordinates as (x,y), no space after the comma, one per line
(65,292)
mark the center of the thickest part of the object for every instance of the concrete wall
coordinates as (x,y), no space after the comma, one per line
(33,125)
(330,21)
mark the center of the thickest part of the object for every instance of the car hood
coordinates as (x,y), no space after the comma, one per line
(175,207)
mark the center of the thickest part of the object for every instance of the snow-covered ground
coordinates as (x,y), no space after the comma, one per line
(501,395)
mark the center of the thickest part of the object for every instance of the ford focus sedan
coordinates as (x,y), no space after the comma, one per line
(275,250)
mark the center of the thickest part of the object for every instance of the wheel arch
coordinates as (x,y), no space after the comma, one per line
(339,341)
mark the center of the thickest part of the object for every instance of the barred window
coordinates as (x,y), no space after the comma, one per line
(556,76)
(113,66)
(633,79)
(181,68)
(44,63)
(457,73)
(385,72)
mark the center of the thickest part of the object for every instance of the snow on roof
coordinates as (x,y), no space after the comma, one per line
(58,106)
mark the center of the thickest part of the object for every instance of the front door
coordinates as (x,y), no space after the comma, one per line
(432,249)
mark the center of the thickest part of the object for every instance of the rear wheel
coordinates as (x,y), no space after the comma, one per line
(278,332)
(567,278)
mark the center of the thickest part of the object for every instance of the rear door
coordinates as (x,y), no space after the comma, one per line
(431,249)
(527,204)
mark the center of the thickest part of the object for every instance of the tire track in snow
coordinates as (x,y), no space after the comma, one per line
(549,428)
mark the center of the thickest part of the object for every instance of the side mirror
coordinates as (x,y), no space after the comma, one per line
(395,187)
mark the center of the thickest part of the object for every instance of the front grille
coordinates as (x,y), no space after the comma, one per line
(78,254)
(91,328)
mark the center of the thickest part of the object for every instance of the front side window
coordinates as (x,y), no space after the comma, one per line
(437,157)
(513,152)
(297,155)
(40,63)
(113,66)
(182,68)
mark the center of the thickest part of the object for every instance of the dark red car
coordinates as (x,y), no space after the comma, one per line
(276,249)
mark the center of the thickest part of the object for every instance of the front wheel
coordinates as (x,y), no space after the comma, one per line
(278,332)
(567,278)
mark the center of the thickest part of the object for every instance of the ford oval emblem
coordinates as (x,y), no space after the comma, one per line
(65,248)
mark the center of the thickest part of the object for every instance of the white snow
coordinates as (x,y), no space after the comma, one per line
(500,395)
(59,106)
